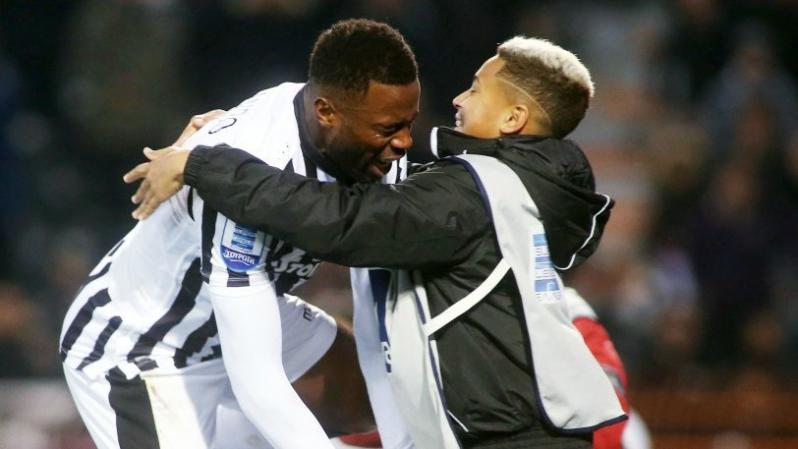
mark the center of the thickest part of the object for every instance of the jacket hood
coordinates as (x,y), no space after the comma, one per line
(559,179)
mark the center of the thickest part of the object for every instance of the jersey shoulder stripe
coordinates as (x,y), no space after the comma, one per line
(263,125)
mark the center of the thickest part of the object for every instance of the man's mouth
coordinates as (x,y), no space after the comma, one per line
(458,120)
(384,166)
(378,169)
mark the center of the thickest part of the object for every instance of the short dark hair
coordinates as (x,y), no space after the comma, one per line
(355,51)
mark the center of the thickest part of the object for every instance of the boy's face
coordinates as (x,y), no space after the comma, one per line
(482,108)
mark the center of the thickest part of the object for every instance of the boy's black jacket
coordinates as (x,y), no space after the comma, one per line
(435,221)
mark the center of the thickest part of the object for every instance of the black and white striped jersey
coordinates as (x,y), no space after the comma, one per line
(146,304)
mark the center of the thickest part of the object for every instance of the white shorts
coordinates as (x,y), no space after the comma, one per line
(177,410)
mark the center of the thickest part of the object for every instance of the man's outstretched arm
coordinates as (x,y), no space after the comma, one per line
(430,219)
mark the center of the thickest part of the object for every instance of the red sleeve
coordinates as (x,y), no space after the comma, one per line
(599,343)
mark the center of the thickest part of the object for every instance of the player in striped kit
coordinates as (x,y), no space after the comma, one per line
(142,344)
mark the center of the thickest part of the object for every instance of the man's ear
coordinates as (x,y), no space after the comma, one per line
(515,119)
(326,114)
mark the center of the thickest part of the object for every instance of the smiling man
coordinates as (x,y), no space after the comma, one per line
(478,358)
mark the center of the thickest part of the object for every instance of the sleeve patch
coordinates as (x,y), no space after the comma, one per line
(241,247)
(546,281)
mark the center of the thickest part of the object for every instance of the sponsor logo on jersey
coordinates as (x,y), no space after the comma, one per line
(303,270)
(296,262)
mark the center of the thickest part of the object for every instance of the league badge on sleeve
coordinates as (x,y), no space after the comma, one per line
(242,247)
(546,281)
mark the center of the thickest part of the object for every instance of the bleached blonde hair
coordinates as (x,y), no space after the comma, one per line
(553,76)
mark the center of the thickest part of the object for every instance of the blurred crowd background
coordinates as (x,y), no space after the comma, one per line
(693,131)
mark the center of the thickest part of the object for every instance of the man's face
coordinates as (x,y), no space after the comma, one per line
(373,132)
(481,108)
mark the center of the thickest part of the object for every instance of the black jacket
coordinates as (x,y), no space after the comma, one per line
(434,221)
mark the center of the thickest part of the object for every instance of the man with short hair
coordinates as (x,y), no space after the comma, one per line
(477,358)
(142,355)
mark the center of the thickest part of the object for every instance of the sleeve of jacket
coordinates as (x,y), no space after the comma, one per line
(433,218)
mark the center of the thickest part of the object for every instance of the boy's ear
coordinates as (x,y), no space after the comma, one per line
(515,120)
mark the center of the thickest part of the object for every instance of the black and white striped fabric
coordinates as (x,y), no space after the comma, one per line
(146,305)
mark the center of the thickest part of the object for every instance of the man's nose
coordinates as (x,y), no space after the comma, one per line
(402,140)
